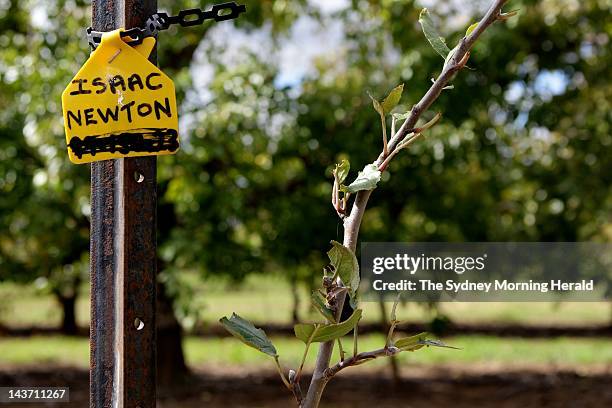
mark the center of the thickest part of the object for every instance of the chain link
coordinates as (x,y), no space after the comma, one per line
(162,21)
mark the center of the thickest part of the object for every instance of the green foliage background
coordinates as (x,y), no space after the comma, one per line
(512,159)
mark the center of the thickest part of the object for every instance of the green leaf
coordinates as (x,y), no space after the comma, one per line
(431,33)
(392,99)
(389,103)
(367,179)
(249,334)
(377,105)
(345,263)
(318,302)
(326,332)
(437,343)
(342,170)
(418,341)
(354,299)
(470,29)
(411,343)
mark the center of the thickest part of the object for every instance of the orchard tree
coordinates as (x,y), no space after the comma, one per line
(44,207)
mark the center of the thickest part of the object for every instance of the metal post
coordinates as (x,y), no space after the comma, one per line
(123,257)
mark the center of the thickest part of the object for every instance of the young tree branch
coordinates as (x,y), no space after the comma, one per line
(322,372)
(457,62)
(360,359)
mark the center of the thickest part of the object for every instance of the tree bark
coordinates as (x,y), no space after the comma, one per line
(68,305)
(171,368)
(295,294)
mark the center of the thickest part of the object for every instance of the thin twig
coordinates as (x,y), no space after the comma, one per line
(448,73)
(393,322)
(355,339)
(384,131)
(308,343)
(360,358)
(341,350)
(406,142)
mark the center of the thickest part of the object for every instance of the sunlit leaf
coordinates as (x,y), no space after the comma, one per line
(411,343)
(250,335)
(377,105)
(431,33)
(342,170)
(367,179)
(470,29)
(326,332)
(392,99)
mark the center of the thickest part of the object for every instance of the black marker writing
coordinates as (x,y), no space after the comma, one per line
(80,90)
(145,141)
(134,83)
(116,82)
(116,113)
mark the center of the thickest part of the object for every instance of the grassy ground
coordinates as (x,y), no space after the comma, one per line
(231,353)
(475,375)
(267,299)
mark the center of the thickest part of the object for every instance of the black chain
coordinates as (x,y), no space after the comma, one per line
(162,21)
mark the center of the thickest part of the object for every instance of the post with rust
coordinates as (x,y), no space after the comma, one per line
(123,257)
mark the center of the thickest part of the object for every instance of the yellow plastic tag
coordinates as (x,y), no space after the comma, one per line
(120,105)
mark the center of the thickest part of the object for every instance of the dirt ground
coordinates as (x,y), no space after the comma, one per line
(447,386)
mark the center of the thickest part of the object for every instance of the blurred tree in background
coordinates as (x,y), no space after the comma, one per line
(522,152)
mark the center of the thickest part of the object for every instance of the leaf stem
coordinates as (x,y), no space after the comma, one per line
(308,343)
(282,375)
(394,321)
(355,339)
(384,132)
(341,350)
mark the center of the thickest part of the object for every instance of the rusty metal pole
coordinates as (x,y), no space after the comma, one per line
(123,257)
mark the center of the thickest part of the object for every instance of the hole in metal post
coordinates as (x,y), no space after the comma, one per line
(138,324)
(138,176)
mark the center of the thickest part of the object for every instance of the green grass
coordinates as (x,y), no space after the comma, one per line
(25,306)
(475,349)
(267,299)
(230,352)
(45,350)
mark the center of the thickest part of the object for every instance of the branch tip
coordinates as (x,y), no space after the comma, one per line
(505,16)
